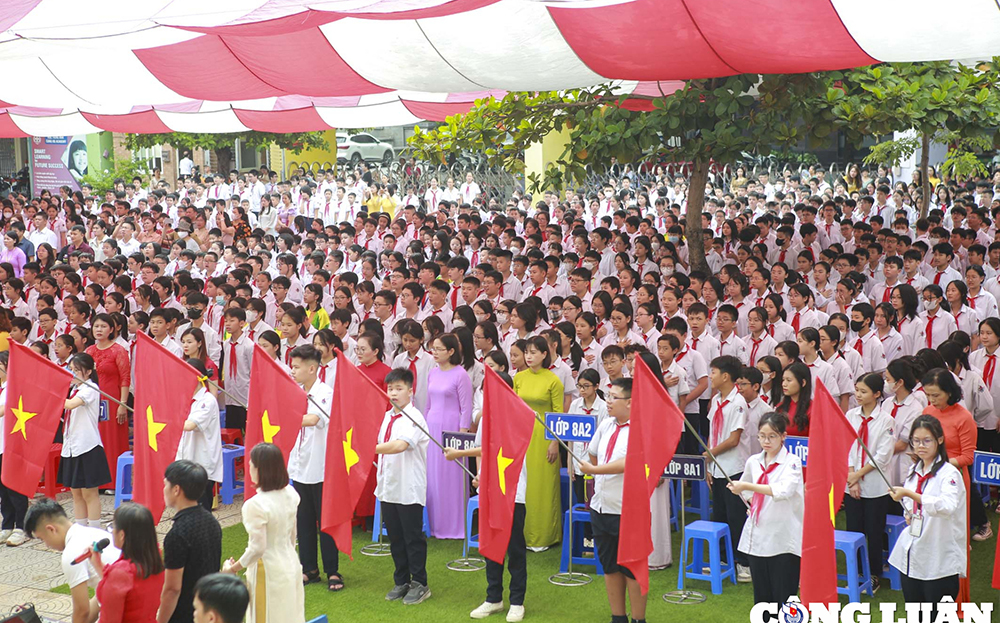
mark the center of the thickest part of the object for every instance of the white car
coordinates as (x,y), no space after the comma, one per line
(354,148)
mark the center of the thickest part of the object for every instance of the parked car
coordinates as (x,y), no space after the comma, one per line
(354,148)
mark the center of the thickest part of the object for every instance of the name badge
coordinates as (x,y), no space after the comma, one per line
(916,524)
(103,411)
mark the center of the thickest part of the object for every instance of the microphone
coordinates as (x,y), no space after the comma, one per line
(97,547)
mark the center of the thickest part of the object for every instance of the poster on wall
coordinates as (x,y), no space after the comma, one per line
(58,161)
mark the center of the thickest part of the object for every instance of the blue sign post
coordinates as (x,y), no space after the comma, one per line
(570,427)
(986,468)
(799,446)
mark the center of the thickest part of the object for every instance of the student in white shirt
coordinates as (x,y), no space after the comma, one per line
(413,357)
(866,343)
(932,553)
(47,521)
(696,368)
(401,487)
(83,466)
(158,322)
(607,464)
(727,417)
(772,534)
(902,406)
(201,441)
(759,343)
(237,355)
(592,403)
(306,468)
(938,323)
(749,387)
(867,501)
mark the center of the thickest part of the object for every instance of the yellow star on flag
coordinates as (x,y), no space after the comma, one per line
(22,418)
(350,456)
(153,428)
(647,471)
(502,464)
(833,511)
(269,430)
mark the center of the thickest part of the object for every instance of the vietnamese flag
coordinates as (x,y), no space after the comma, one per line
(507,427)
(275,408)
(355,418)
(36,397)
(830,440)
(655,426)
(164,391)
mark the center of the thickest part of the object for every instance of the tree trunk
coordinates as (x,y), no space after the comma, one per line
(925,181)
(223,161)
(695,206)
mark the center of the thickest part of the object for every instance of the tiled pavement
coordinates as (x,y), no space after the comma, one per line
(28,572)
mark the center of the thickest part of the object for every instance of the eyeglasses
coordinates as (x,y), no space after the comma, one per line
(584,386)
(922,442)
(771,438)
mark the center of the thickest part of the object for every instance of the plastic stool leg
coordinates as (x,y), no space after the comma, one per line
(715,566)
(567,547)
(853,591)
(683,565)
(866,577)
(732,558)
(376,521)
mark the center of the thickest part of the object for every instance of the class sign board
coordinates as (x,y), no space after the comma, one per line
(986,468)
(458,441)
(570,426)
(685,467)
(799,446)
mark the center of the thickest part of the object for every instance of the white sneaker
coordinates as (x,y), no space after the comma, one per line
(4,535)
(17,537)
(515,614)
(486,609)
(743,574)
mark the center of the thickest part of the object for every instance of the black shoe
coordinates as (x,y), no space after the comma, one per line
(875,584)
(397,592)
(417,593)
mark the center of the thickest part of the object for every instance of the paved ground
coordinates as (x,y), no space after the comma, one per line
(29,572)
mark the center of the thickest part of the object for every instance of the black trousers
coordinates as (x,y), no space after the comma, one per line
(307,522)
(727,508)
(929,591)
(774,577)
(405,525)
(13,506)
(517,564)
(867,516)
(208,497)
(236,417)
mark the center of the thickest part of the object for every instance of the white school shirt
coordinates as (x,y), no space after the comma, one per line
(906,411)
(781,331)
(749,444)
(600,411)
(892,345)
(706,344)
(423,362)
(823,371)
(881,439)
(734,346)
(595,349)
(807,318)
(872,353)
(173,346)
(612,339)
(82,434)
(914,337)
(940,550)
(522,481)
(778,528)
(696,369)
(608,487)
(984,303)
(564,373)
(402,477)
(944,325)
(764,348)
(79,539)
(238,384)
(967,320)
(980,360)
(976,398)
(544,292)
(734,417)
(203,445)
(307,460)
(681,388)
(649,338)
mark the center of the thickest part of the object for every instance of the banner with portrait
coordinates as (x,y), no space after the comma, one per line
(58,161)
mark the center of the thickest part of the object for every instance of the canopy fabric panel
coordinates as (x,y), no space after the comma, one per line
(146,65)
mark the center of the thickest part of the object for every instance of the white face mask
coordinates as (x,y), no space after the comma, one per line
(934,241)
(252,316)
(182,234)
(589,266)
(502,318)
(459,322)
(481,317)
(931,306)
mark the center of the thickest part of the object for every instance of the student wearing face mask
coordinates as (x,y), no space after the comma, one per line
(938,324)
(256,310)
(195,305)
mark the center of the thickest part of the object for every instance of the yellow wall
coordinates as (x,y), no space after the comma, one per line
(538,156)
(326,158)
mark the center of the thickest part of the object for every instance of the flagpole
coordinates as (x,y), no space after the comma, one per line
(875,463)
(708,451)
(105,394)
(219,387)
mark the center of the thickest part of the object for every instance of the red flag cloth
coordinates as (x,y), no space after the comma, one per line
(36,397)
(830,439)
(355,417)
(655,426)
(164,388)
(275,408)
(507,427)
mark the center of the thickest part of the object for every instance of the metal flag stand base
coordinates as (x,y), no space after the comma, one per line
(378,548)
(466,562)
(682,596)
(570,578)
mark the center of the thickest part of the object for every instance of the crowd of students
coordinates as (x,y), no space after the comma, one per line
(807,280)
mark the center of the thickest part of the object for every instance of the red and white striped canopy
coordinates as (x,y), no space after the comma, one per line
(78,66)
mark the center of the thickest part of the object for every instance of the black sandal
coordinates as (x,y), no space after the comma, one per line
(310,577)
(335,583)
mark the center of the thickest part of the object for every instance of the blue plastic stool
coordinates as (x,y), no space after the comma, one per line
(700,504)
(675,502)
(894,526)
(581,516)
(853,545)
(230,486)
(320,619)
(472,540)
(123,478)
(377,521)
(698,533)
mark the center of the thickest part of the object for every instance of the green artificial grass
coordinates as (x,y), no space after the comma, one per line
(455,593)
